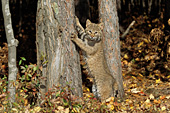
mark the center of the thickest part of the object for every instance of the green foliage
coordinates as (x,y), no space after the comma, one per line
(27,87)
(56,99)
(22,59)
(3,84)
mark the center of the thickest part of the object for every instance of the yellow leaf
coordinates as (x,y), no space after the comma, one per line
(140,51)
(149,25)
(141,43)
(140,75)
(88,89)
(145,40)
(88,95)
(158,81)
(133,77)
(125,62)
(112,107)
(126,56)
(74,110)
(37,109)
(137,59)
(131,107)
(25,102)
(168,76)
(124,84)
(129,90)
(163,26)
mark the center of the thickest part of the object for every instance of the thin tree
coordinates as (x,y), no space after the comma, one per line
(12,44)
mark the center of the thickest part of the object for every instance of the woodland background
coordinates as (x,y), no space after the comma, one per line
(145,60)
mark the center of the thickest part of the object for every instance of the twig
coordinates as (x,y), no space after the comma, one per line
(127,30)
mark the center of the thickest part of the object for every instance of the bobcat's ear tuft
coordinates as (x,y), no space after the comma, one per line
(101,25)
(88,22)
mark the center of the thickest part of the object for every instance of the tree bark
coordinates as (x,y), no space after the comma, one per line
(108,15)
(167,16)
(55,51)
(12,44)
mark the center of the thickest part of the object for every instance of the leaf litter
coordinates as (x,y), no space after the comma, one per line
(145,65)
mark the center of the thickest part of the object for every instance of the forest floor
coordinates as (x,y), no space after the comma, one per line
(145,63)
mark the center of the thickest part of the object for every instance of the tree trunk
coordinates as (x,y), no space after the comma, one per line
(12,44)
(108,15)
(55,51)
(167,16)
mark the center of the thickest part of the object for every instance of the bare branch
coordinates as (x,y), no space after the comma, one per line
(127,30)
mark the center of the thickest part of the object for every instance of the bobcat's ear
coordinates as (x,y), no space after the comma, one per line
(88,22)
(101,25)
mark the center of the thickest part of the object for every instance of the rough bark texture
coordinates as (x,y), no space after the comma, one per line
(108,15)
(55,51)
(12,44)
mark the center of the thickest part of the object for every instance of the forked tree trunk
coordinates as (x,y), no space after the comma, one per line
(108,15)
(55,51)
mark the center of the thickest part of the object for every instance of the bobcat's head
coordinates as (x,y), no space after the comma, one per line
(94,31)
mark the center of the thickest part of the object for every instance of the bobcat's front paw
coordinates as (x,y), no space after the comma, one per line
(77,20)
(73,36)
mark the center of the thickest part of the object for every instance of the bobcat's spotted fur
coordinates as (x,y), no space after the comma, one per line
(91,44)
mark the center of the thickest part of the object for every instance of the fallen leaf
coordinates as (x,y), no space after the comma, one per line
(158,81)
(66,110)
(168,97)
(157,101)
(110,99)
(163,108)
(135,90)
(151,97)
(37,109)
(162,97)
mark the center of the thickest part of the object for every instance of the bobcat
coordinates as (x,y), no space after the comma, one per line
(91,44)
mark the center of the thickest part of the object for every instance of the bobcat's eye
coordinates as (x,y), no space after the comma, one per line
(90,31)
(95,32)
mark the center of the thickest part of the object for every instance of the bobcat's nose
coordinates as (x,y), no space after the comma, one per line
(92,35)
